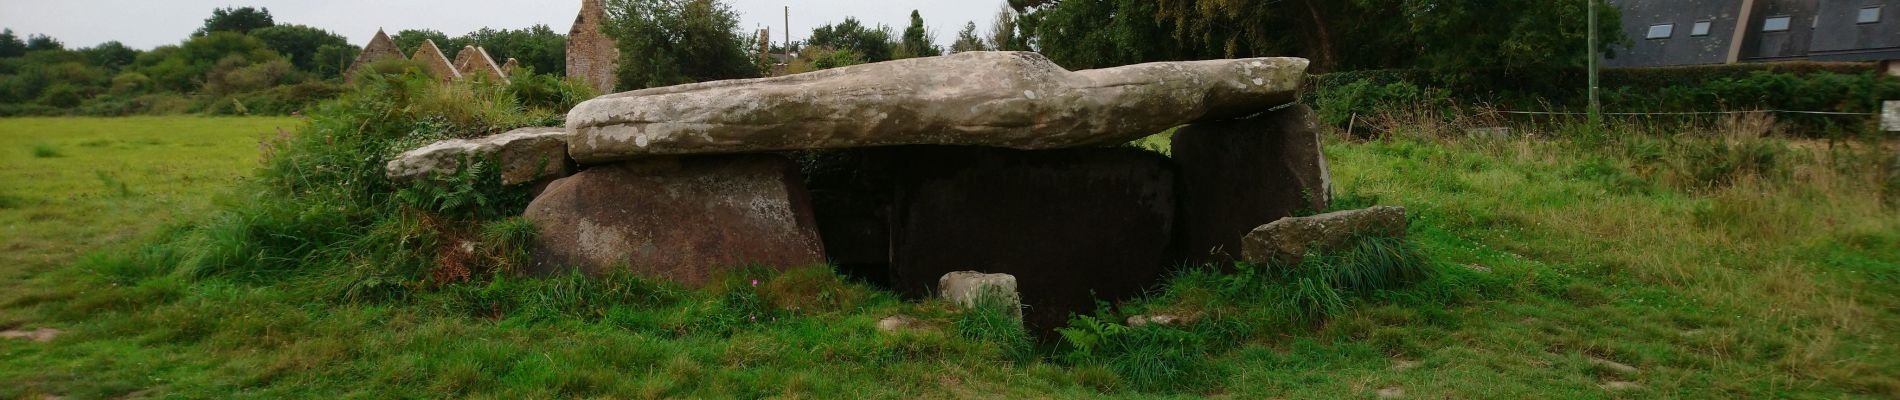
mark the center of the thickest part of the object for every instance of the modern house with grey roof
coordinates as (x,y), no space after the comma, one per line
(1693,32)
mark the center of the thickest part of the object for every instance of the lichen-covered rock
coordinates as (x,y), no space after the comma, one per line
(1240,173)
(683,219)
(969,289)
(1015,100)
(1288,240)
(524,155)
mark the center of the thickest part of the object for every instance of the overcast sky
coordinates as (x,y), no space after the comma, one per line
(149,23)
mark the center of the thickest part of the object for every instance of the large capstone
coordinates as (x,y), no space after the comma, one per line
(524,155)
(683,219)
(1240,173)
(1072,226)
(1014,100)
(1288,240)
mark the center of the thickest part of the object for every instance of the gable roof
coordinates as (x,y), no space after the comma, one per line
(379,48)
(432,60)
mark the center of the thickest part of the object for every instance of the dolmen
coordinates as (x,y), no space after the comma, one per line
(902,171)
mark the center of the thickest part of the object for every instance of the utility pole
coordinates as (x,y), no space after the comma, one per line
(788,33)
(1596,109)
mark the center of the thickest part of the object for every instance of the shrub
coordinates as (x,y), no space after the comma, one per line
(45,151)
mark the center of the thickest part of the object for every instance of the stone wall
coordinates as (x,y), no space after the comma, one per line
(591,55)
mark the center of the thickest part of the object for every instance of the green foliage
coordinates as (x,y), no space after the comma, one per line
(241,20)
(45,151)
(993,320)
(1802,86)
(874,45)
(825,58)
(670,42)
(11,45)
(1447,37)
(43,43)
(967,40)
(306,48)
(408,40)
(538,48)
(917,42)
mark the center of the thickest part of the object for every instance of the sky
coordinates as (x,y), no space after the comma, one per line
(146,24)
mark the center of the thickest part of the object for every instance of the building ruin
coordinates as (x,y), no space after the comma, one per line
(471,61)
(591,55)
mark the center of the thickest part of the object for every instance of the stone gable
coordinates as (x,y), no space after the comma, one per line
(474,61)
(379,48)
(433,61)
(591,55)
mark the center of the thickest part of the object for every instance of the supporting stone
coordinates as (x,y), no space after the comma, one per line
(1072,225)
(524,155)
(684,219)
(1238,174)
(1288,240)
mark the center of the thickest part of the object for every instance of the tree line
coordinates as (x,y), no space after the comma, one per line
(240,61)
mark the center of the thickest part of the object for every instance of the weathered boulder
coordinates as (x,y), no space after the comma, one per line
(1238,174)
(524,155)
(1288,240)
(1014,100)
(1071,225)
(970,289)
(678,218)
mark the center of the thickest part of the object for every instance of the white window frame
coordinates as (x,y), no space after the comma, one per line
(1787,21)
(1668,31)
(1701,28)
(1860,17)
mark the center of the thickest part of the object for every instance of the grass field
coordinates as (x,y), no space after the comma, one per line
(1691,264)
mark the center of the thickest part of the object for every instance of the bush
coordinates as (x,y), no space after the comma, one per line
(1801,86)
(322,212)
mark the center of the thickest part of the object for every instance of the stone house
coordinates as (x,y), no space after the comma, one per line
(1695,32)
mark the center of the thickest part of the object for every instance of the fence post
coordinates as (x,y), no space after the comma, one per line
(1890,123)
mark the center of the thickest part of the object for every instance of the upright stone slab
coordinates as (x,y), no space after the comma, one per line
(1238,174)
(1071,225)
(1016,100)
(683,219)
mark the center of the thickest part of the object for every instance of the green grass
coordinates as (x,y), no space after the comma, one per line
(1717,267)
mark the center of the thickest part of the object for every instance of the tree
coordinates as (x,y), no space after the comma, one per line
(917,41)
(240,20)
(1003,31)
(967,40)
(1451,37)
(408,40)
(538,47)
(43,42)
(333,60)
(183,68)
(11,45)
(670,42)
(873,44)
(299,43)
(112,55)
